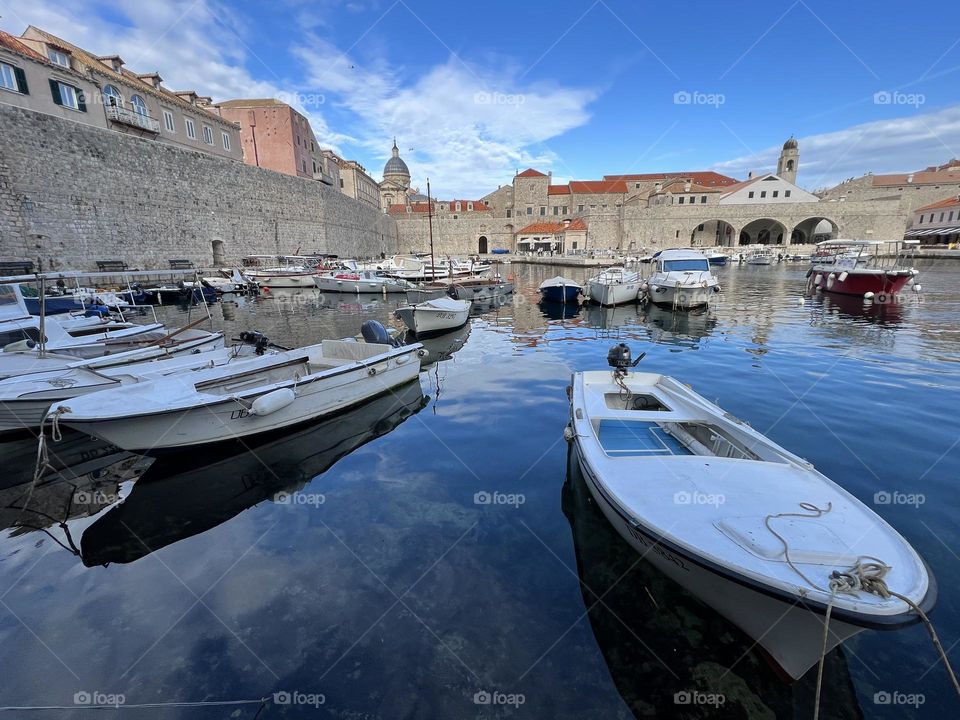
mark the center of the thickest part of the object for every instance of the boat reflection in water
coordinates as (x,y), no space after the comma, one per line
(871,311)
(439,347)
(661,644)
(186,494)
(685,329)
(559,311)
(610,317)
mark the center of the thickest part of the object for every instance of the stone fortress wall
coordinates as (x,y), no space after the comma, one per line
(72,194)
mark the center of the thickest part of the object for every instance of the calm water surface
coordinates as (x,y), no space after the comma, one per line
(351,561)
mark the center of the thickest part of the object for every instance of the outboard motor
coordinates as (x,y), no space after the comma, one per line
(375,332)
(621,360)
(260,341)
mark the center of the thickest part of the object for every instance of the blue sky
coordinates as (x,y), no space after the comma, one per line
(580,88)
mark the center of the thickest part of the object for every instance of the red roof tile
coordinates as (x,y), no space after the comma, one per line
(949,202)
(558,190)
(530,172)
(918,178)
(595,187)
(552,227)
(9,42)
(701,177)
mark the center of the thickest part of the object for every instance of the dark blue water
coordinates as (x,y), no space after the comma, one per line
(354,569)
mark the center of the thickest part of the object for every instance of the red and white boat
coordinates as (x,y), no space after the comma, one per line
(868,268)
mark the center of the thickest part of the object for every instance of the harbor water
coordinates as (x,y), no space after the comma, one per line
(433,554)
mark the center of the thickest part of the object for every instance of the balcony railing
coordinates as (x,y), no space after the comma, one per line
(135,119)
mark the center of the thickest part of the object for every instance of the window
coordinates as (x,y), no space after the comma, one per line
(579,208)
(226,146)
(637,186)
(786,193)
(458,207)
(703,199)
(68,96)
(950,219)
(341,183)
(776,193)
(509,212)
(763,193)
(389,197)
(304,165)
(556,209)
(529,210)
(680,200)
(168,121)
(112,96)
(313,148)
(139,106)
(941,217)
(191,129)
(298,139)
(563,210)
(207,135)
(469,206)
(57,57)
(543,210)
(593,207)
(12,78)
(750,194)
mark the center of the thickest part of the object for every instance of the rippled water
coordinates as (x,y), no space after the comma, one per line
(382,585)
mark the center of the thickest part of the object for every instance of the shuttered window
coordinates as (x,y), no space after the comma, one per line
(12,78)
(68,96)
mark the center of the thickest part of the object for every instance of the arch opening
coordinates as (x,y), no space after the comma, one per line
(814,230)
(711,233)
(482,245)
(763,231)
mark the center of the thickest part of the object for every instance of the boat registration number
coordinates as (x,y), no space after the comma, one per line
(658,549)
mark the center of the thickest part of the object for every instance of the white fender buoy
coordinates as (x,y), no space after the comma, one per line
(800,301)
(645,287)
(818,279)
(917,288)
(843,276)
(868,296)
(272,401)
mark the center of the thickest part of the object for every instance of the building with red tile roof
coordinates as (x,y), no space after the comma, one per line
(530,173)
(937,222)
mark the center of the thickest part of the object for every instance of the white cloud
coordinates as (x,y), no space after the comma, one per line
(899,144)
(469,129)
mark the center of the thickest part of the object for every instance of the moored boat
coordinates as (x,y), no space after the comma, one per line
(434,317)
(245,398)
(359,281)
(749,528)
(868,268)
(560,289)
(681,280)
(760,256)
(614,286)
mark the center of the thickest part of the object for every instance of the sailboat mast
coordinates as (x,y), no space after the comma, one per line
(430,226)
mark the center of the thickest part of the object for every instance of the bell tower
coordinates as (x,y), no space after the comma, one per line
(789,161)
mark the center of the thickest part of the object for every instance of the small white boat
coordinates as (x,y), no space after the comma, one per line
(749,528)
(477,289)
(25,399)
(243,398)
(614,286)
(682,280)
(434,316)
(560,289)
(760,256)
(360,281)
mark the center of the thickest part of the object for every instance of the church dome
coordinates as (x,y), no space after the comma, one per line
(395,165)
(790,144)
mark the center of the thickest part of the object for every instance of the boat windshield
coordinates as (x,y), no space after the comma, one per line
(681,265)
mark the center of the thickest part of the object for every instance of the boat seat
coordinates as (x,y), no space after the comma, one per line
(631,438)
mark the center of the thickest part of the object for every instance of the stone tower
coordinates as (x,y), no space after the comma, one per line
(396,180)
(789,161)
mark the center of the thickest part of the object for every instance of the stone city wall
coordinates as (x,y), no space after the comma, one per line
(71,194)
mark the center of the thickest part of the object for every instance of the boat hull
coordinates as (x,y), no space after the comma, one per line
(483,292)
(613,293)
(286,281)
(227,420)
(425,321)
(791,635)
(682,298)
(561,293)
(853,282)
(347,285)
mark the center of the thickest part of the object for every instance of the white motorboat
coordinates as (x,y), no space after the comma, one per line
(242,398)
(423,293)
(749,528)
(614,286)
(560,289)
(760,256)
(682,280)
(360,281)
(25,399)
(435,316)
(288,271)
